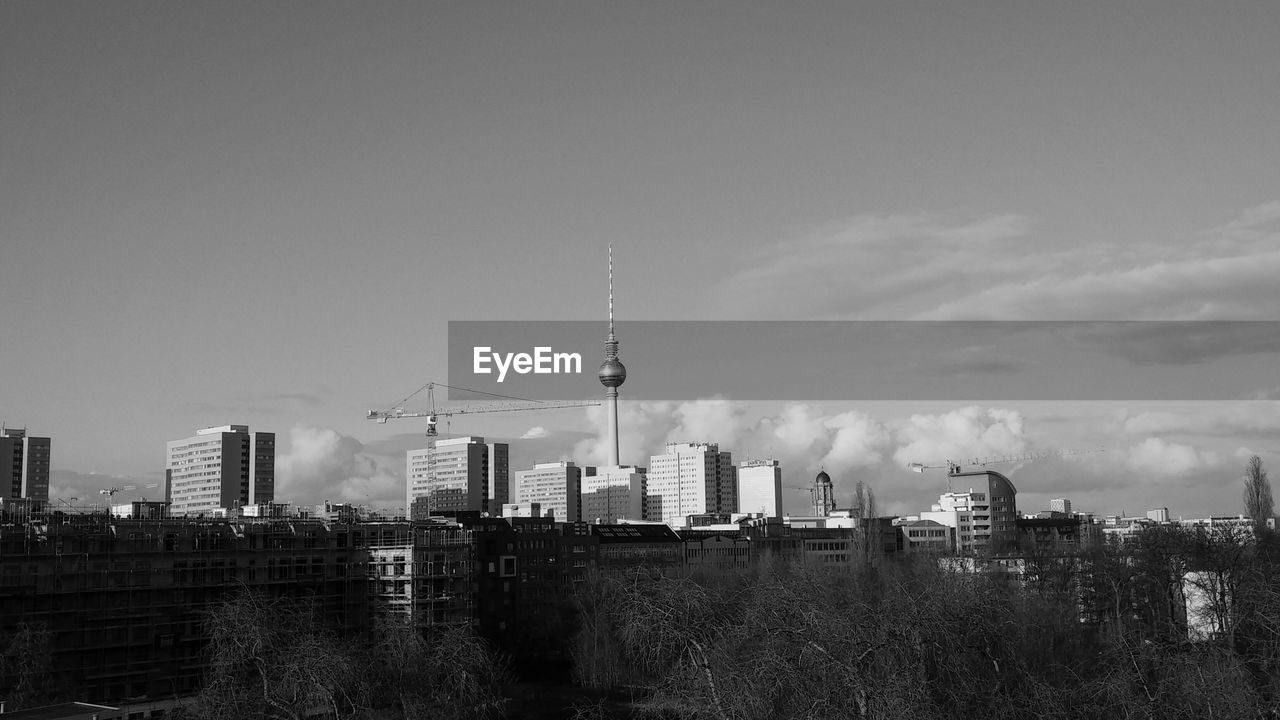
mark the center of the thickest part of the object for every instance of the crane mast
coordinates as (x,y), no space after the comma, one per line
(433,415)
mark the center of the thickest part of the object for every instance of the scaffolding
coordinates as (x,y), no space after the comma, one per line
(125,600)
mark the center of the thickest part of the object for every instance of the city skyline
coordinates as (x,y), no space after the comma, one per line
(230,214)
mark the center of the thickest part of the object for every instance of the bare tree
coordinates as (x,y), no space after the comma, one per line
(864,501)
(1257,492)
(25,665)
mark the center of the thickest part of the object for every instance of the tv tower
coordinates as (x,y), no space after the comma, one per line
(612,374)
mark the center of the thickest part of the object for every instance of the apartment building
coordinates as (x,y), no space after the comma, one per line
(220,469)
(24,466)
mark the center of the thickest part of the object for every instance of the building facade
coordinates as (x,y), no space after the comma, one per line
(125,601)
(927,536)
(422,573)
(985,518)
(690,479)
(760,488)
(499,475)
(220,468)
(456,475)
(555,486)
(610,494)
(24,465)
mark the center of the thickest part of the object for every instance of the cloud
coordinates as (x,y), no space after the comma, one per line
(968,432)
(975,360)
(801,437)
(642,429)
(1155,456)
(1272,393)
(86,487)
(259,404)
(1227,273)
(994,268)
(798,429)
(322,464)
(1198,288)
(710,418)
(536,432)
(1177,343)
(857,442)
(867,267)
(1207,419)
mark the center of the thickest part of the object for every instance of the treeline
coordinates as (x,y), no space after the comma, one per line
(275,659)
(1100,634)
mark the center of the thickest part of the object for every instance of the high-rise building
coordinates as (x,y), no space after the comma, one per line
(24,464)
(610,494)
(1061,505)
(555,486)
(463,475)
(499,476)
(760,487)
(985,517)
(223,467)
(690,479)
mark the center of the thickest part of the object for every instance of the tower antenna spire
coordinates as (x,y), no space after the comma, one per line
(612,374)
(611,336)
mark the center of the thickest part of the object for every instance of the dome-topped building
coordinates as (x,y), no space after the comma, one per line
(824,494)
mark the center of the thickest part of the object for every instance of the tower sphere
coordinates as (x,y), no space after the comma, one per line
(612,373)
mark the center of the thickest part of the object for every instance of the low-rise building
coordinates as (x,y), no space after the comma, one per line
(927,536)
(641,545)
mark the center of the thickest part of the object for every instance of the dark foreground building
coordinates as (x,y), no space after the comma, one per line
(124,601)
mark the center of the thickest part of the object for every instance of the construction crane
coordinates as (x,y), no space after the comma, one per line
(955,467)
(111,491)
(433,415)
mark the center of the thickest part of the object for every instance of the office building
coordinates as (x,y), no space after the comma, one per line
(499,476)
(985,518)
(24,465)
(690,479)
(927,536)
(219,469)
(555,486)
(1061,505)
(610,494)
(457,474)
(760,488)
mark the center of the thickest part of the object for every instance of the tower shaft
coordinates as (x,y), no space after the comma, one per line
(612,374)
(611,410)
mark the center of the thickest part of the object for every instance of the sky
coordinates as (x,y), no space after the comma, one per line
(267,214)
